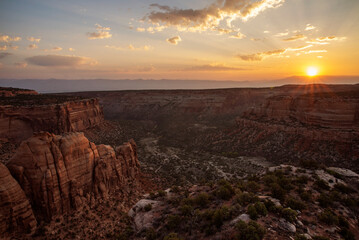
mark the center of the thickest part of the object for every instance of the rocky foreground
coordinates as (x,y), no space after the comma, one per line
(284,203)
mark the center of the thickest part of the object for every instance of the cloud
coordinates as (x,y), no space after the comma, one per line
(130,47)
(57,48)
(261,55)
(7,38)
(71,49)
(213,68)
(4,55)
(325,40)
(309,27)
(295,37)
(316,51)
(102,32)
(282,34)
(32,46)
(33,39)
(20,65)
(3,48)
(210,17)
(140,29)
(238,35)
(60,61)
(174,40)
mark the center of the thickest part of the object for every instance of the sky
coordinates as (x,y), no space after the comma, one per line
(187,39)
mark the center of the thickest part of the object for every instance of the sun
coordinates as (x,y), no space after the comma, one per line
(312,71)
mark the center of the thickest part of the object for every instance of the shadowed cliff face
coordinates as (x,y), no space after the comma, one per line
(59,173)
(19,121)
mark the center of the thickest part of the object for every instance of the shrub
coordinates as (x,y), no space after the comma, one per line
(277,191)
(321,185)
(252,212)
(173,221)
(320,238)
(310,164)
(261,208)
(343,222)
(325,200)
(224,192)
(346,234)
(220,215)
(300,237)
(148,207)
(245,198)
(289,214)
(250,231)
(328,217)
(186,210)
(202,199)
(305,195)
(252,186)
(343,188)
(334,173)
(151,234)
(295,204)
(161,193)
(172,236)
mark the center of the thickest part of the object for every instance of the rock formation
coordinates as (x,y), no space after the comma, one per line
(19,122)
(15,210)
(59,173)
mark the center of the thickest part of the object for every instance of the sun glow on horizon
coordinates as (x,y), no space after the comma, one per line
(312,71)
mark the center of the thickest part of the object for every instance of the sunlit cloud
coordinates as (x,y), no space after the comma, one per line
(60,61)
(4,55)
(213,68)
(32,46)
(326,40)
(140,29)
(7,38)
(262,55)
(309,27)
(3,48)
(282,34)
(295,37)
(238,35)
(316,51)
(20,64)
(57,48)
(71,49)
(131,47)
(102,33)
(210,17)
(174,40)
(33,39)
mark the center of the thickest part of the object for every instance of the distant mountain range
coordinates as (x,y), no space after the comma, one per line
(62,85)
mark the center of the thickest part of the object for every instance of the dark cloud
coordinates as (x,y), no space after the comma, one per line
(4,55)
(59,61)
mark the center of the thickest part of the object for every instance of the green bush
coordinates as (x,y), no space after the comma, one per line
(346,234)
(172,236)
(320,238)
(261,208)
(250,231)
(173,221)
(289,214)
(186,210)
(252,212)
(310,164)
(328,217)
(325,200)
(343,188)
(224,192)
(246,198)
(278,192)
(252,186)
(202,199)
(300,237)
(148,207)
(151,234)
(321,185)
(295,204)
(161,193)
(220,215)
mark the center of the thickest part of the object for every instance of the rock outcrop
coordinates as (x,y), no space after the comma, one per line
(19,122)
(60,173)
(15,210)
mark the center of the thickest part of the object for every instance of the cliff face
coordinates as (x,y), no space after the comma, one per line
(58,173)
(325,112)
(15,210)
(20,122)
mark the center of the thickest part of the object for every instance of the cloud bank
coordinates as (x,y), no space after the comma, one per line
(60,61)
(210,17)
(101,33)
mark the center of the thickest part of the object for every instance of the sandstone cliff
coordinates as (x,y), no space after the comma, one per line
(15,210)
(60,173)
(19,122)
